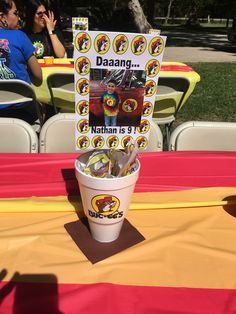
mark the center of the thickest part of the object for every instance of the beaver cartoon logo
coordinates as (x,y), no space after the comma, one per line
(39,49)
(83,142)
(83,126)
(82,107)
(156,46)
(82,86)
(120,44)
(142,142)
(126,141)
(129,105)
(147,108)
(112,141)
(152,68)
(105,204)
(82,65)
(82,42)
(138,45)
(102,43)
(144,126)
(98,141)
(150,88)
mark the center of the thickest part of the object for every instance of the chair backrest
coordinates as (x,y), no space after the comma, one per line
(169,97)
(61,89)
(18,91)
(204,135)
(58,135)
(17,136)
(155,141)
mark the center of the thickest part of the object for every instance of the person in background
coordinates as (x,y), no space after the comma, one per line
(40,27)
(16,59)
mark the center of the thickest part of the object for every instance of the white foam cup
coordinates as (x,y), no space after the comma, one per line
(105,200)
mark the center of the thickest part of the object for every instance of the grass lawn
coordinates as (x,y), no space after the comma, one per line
(214,98)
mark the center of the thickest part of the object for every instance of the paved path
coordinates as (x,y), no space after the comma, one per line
(198,47)
(197,54)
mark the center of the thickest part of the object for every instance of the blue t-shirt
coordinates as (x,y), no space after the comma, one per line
(15,49)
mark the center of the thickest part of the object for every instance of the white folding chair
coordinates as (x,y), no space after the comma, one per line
(204,135)
(58,134)
(16,92)
(169,98)
(61,89)
(17,136)
(155,141)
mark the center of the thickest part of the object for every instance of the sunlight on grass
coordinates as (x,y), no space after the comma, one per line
(214,98)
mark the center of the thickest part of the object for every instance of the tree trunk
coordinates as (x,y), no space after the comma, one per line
(168,11)
(139,17)
(151,11)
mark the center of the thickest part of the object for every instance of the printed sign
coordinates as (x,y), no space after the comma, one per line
(116,77)
(79,23)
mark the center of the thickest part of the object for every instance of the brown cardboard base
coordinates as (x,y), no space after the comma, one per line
(96,251)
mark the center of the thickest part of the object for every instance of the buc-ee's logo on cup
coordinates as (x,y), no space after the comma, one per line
(82,107)
(102,43)
(82,42)
(105,205)
(156,46)
(82,86)
(83,142)
(138,45)
(120,44)
(82,65)
(142,142)
(83,126)
(129,105)
(152,68)
(98,141)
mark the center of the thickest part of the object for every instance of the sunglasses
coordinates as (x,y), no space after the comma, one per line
(41,13)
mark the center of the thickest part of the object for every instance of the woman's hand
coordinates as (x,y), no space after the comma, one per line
(49,20)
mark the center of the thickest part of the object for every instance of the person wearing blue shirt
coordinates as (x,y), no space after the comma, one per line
(16,59)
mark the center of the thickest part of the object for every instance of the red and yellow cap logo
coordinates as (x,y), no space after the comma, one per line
(152,68)
(138,45)
(83,142)
(82,107)
(120,44)
(156,46)
(82,65)
(98,141)
(102,43)
(83,126)
(83,42)
(82,86)
(105,204)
